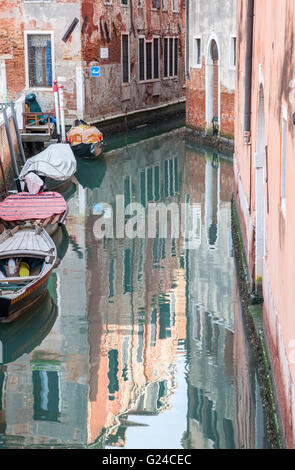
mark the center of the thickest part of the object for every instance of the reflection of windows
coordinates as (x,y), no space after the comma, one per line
(141,260)
(127,190)
(159,249)
(150,184)
(125,345)
(2,379)
(164,320)
(112,278)
(140,343)
(173,308)
(39,60)
(175,5)
(153,327)
(113,385)
(171,186)
(202,409)
(197,325)
(127,271)
(46,395)
(2,384)
(164,5)
(163,390)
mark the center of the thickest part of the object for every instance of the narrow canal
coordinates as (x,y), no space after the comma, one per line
(140,341)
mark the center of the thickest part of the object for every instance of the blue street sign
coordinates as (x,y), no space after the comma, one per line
(95,71)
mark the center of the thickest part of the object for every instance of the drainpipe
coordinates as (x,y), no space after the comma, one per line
(248,73)
(187,39)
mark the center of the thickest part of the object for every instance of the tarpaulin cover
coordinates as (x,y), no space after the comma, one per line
(57,162)
(26,206)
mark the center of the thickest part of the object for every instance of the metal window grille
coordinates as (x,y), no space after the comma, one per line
(165,57)
(175,56)
(148,60)
(40,60)
(156,58)
(141,59)
(125,57)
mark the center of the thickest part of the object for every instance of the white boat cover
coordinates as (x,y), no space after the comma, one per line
(57,161)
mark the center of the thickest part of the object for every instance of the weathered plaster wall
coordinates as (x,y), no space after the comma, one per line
(211,20)
(17,17)
(107,95)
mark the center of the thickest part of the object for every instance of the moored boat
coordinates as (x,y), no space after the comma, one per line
(54,168)
(85,141)
(48,209)
(27,258)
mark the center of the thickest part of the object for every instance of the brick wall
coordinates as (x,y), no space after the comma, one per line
(12,48)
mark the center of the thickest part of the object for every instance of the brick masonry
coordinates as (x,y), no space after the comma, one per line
(196,103)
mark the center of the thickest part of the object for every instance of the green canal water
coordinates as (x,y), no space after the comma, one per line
(139,342)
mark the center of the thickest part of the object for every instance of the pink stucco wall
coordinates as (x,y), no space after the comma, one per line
(273,59)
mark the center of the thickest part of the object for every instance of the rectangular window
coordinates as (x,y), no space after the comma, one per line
(124,2)
(164,5)
(197,52)
(156,4)
(149,73)
(39,60)
(156,58)
(107,2)
(175,5)
(165,57)
(148,59)
(140,3)
(175,56)
(141,59)
(125,57)
(284,160)
(233,53)
(171,57)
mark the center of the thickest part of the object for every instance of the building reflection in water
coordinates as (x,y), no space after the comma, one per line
(148,329)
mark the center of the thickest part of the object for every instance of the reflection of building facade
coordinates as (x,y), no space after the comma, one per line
(140,306)
(44,400)
(216,418)
(145,331)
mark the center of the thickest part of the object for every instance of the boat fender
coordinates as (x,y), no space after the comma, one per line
(24,269)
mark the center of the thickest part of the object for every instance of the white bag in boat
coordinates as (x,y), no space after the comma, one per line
(33,182)
(57,161)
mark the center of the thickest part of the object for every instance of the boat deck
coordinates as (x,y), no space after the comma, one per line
(24,240)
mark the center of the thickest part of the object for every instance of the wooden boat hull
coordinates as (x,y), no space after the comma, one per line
(20,291)
(88,151)
(12,309)
(23,335)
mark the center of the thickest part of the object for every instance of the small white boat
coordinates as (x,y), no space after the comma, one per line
(27,258)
